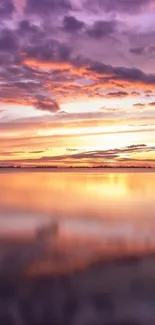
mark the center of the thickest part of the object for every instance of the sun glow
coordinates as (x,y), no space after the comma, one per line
(87,106)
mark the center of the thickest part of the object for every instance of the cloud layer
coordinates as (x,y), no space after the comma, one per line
(57,52)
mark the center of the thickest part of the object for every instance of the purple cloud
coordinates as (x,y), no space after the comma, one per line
(71,24)
(48,50)
(46,104)
(33,40)
(47,6)
(121,6)
(8,40)
(101,29)
(138,50)
(6,8)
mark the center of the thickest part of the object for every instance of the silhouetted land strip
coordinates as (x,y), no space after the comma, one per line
(76,167)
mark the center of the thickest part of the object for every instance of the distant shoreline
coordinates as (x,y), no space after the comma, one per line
(77,167)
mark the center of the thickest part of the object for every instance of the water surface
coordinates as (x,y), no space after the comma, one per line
(83,200)
(89,194)
(99,213)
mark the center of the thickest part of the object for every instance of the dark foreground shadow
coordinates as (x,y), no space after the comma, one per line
(121,292)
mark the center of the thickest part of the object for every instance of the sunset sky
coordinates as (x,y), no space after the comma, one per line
(77,82)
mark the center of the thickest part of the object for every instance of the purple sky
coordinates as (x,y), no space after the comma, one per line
(72,74)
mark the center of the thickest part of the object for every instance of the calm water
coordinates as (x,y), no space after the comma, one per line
(84,201)
(100,214)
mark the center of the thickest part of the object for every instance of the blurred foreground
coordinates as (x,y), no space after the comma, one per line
(118,292)
(40,286)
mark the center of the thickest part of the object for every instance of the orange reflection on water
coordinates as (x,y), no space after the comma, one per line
(100,213)
(79,194)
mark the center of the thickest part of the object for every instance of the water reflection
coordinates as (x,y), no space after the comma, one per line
(94,208)
(52,224)
(79,194)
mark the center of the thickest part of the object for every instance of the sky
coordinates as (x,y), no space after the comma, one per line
(77,82)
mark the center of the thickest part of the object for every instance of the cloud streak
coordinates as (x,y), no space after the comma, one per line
(77,65)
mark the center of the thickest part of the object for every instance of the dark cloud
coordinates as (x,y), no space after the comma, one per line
(118,94)
(11,153)
(95,155)
(135,93)
(8,41)
(148,92)
(19,92)
(138,50)
(36,151)
(9,51)
(45,104)
(98,155)
(128,6)
(47,7)
(48,51)
(142,50)
(137,160)
(60,82)
(122,73)
(113,153)
(27,27)
(28,93)
(133,74)
(6,8)
(139,105)
(27,85)
(152,104)
(134,146)
(33,43)
(101,29)
(71,24)
(80,156)
(151,48)
(121,6)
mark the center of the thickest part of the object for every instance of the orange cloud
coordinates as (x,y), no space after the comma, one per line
(46,65)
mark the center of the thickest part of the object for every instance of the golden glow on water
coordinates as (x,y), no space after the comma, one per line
(100,214)
(83,194)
